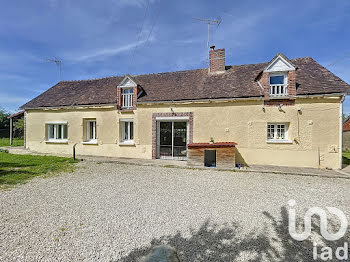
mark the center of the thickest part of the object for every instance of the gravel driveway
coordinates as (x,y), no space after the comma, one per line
(118,212)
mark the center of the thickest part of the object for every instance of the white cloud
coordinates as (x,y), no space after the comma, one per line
(8,56)
(102,53)
(135,3)
(16,77)
(188,41)
(9,99)
(138,3)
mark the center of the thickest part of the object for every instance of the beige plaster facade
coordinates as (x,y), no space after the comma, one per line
(313,131)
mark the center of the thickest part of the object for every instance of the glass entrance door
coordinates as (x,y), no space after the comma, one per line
(172,142)
(180,140)
(165,140)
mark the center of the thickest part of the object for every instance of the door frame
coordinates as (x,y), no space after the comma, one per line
(172,120)
(170,116)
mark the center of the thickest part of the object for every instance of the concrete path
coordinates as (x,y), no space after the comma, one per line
(301,171)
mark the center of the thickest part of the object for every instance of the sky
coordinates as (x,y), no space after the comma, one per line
(95,39)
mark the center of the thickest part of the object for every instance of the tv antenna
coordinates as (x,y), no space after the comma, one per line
(344,57)
(58,63)
(209,22)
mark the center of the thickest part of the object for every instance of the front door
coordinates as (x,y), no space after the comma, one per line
(172,140)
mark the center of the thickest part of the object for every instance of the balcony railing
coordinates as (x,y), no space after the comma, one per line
(278,90)
(127,100)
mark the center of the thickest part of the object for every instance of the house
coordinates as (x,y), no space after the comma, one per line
(282,112)
(346,135)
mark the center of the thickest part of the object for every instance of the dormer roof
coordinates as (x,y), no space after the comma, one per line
(280,63)
(128,81)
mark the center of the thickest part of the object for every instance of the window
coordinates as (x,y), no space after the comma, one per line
(127,130)
(277,80)
(127,97)
(278,85)
(277,132)
(91,130)
(270,132)
(57,132)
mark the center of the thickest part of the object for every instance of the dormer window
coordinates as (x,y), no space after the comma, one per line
(127,97)
(278,85)
(275,81)
(127,92)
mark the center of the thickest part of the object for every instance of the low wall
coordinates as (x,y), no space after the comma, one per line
(225,154)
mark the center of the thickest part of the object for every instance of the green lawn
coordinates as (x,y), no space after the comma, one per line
(17,169)
(16,142)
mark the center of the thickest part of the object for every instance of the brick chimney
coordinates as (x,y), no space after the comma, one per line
(216,60)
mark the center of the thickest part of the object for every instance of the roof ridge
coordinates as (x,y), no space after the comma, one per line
(100,78)
(169,72)
(90,79)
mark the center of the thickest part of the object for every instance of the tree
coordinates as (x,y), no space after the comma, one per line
(19,127)
(19,124)
(4,123)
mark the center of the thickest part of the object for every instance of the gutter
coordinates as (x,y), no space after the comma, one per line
(213,100)
(259,98)
(321,95)
(72,107)
(200,101)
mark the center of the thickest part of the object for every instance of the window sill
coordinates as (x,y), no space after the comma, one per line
(127,143)
(61,141)
(127,110)
(94,142)
(279,97)
(279,141)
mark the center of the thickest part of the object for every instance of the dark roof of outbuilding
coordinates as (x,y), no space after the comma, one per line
(237,82)
(19,114)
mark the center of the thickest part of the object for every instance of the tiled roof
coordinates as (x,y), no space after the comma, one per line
(18,114)
(237,82)
(346,125)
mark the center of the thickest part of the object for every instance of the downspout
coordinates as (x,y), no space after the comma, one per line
(341,132)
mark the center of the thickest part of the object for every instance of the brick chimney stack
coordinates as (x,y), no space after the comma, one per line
(216,60)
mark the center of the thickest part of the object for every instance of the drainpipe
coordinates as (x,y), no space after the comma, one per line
(341,132)
(74,151)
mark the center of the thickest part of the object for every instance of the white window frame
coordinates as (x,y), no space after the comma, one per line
(127,98)
(91,138)
(55,126)
(278,90)
(275,138)
(126,139)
